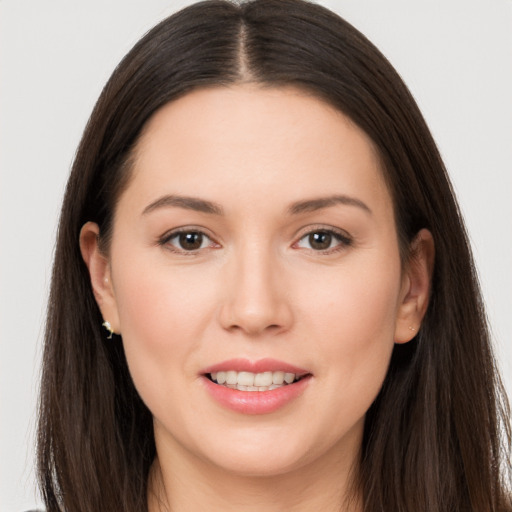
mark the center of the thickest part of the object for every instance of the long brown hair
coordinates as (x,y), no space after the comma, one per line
(437,438)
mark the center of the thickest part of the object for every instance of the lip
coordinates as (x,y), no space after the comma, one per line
(260,366)
(256,402)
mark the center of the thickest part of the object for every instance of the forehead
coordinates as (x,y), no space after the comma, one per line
(248,140)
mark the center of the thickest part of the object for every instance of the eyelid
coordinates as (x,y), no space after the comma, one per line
(343,236)
(164,239)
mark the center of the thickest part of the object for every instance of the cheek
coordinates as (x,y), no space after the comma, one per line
(161,314)
(355,305)
(355,323)
(153,297)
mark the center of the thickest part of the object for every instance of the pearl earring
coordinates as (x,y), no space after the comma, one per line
(108,327)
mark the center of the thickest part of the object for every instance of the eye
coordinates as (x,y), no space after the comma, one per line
(322,240)
(187,241)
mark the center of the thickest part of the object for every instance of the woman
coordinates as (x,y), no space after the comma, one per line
(291,318)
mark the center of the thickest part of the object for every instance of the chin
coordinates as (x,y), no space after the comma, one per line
(257,455)
(254,465)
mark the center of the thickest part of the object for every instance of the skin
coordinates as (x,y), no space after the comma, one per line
(257,288)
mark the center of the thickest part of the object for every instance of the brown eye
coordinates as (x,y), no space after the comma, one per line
(187,241)
(190,241)
(324,240)
(320,241)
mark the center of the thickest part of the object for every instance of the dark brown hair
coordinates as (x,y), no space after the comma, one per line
(437,438)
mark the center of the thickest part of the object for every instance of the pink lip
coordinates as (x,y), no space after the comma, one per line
(260,366)
(255,402)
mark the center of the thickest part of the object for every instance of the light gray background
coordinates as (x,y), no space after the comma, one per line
(55,56)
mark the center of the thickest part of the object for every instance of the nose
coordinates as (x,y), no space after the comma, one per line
(256,297)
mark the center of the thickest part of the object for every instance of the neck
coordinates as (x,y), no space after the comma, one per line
(187,484)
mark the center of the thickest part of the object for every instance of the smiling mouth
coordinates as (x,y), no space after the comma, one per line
(248,381)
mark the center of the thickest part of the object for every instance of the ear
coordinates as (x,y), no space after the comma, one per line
(416,286)
(99,272)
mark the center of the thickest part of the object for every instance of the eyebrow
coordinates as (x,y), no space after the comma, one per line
(312,205)
(188,203)
(204,206)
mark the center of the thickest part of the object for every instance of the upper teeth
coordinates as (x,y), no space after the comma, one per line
(264,379)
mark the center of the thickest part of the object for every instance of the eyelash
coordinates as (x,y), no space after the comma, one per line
(166,239)
(343,240)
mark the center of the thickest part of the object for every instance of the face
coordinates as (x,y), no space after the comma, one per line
(254,243)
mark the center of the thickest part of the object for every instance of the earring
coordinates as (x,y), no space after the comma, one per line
(108,327)
(411,328)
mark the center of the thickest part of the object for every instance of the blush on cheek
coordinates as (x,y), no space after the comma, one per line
(159,328)
(356,339)
(145,342)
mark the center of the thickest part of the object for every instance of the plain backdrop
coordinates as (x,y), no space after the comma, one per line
(55,56)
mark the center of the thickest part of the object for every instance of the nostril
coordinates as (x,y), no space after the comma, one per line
(254,314)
